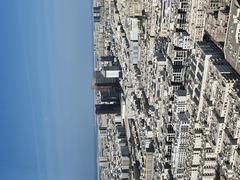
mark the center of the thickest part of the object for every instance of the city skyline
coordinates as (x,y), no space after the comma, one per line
(174,113)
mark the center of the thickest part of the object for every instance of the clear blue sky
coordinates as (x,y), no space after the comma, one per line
(46,103)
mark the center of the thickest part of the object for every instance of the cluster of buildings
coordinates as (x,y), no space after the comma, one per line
(167,89)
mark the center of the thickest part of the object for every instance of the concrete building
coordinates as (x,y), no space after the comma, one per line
(180,155)
(149,163)
(211,102)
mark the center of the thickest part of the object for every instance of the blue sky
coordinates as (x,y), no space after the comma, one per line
(46,103)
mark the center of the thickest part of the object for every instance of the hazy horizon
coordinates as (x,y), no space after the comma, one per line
(46,109)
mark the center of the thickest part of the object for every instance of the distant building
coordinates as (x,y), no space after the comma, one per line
(108,108)
(112,72)
(97,19)
(102,82)
(107,58)
(97,9)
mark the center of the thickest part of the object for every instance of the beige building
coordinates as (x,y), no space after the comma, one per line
(135,7)
(149,165)
(216,25)
(232,46)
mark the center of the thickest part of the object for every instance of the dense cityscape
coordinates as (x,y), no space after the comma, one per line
(167,89)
